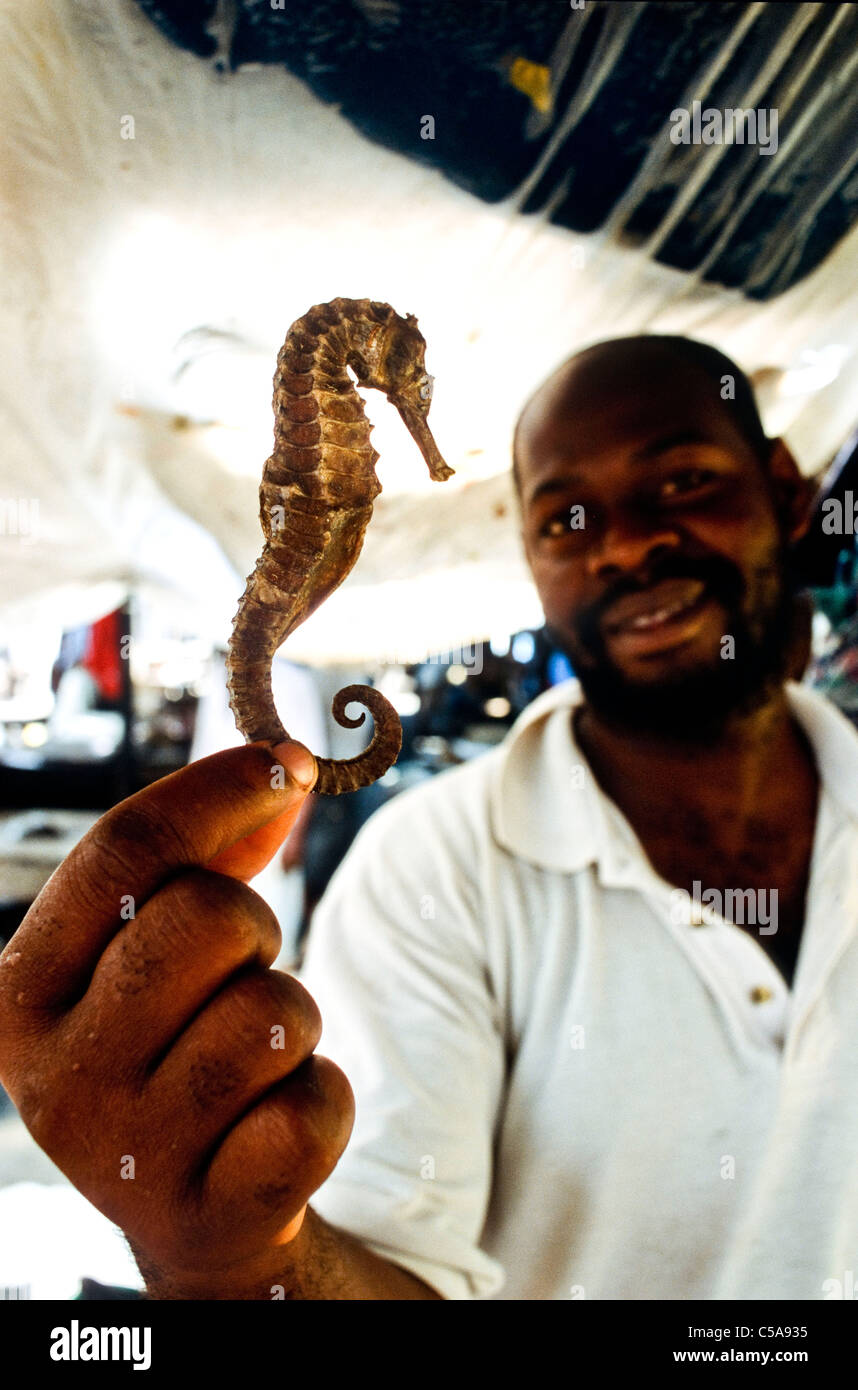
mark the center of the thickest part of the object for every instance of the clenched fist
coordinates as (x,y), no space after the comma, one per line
(150,1049)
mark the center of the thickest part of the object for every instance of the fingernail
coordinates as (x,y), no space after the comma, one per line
(298,761)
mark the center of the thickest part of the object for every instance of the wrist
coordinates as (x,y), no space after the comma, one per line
(270,1274)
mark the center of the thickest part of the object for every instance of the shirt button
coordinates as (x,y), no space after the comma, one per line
(760,993)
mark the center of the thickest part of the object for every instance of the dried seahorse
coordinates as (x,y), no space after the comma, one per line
(316,500)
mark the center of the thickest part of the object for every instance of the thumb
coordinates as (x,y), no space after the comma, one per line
(249,855)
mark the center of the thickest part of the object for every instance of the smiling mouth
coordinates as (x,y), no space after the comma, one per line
(650,607)
(656,619)
(666,615)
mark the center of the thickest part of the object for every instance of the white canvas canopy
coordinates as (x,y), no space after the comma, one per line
(161,227)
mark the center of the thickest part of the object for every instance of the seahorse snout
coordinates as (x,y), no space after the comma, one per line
(414,420)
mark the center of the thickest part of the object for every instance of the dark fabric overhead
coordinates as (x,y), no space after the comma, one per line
(499,77)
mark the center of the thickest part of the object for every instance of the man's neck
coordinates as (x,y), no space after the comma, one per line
(737,778)
(736,813)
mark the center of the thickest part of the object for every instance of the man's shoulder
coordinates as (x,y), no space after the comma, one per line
(449,801)
(462,805)
(430,842)
(833,739)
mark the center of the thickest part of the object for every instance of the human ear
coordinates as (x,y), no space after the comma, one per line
(794,494)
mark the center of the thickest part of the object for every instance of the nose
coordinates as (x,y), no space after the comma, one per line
(627,544)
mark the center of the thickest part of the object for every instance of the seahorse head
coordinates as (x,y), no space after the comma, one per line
(392,361)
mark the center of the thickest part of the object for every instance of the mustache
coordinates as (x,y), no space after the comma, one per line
(722,581)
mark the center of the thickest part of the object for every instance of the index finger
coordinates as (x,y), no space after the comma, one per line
(196,816)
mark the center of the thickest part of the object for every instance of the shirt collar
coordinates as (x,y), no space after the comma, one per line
(546,806)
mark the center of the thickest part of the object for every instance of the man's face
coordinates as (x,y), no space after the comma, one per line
(667,587)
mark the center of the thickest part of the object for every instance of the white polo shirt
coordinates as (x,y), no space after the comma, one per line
(564,1092)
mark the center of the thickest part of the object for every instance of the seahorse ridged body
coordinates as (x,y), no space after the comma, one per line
(316,500)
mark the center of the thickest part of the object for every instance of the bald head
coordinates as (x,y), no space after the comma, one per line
(614,372)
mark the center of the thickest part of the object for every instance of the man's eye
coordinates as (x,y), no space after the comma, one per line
(688,481)
(564,523)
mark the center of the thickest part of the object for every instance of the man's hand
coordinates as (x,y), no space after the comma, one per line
(149,1048)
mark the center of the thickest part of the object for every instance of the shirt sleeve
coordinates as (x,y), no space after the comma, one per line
(397,965)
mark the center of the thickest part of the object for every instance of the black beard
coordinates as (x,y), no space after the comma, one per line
(696,706)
